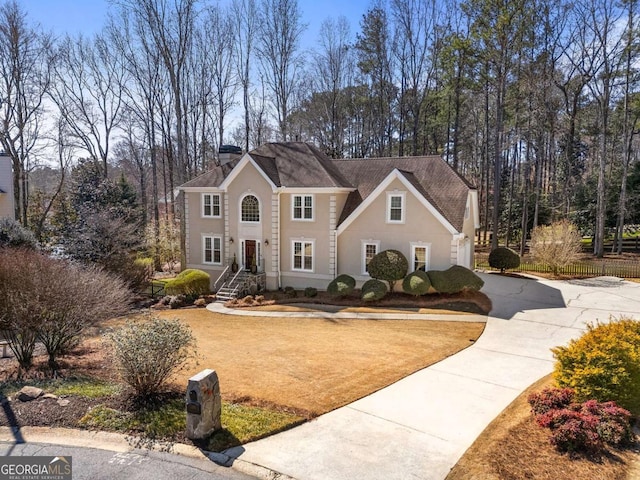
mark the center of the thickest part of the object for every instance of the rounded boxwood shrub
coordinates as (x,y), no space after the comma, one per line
(416,283)
(341,286)
(310,292)
(454,280)
(388,265)
(504,258)
(190,282)
(373,290)
(603,364)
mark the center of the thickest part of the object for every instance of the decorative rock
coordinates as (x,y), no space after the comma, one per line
(29,393)
(63,402)
(50,395)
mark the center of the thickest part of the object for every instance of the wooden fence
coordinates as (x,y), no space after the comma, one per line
(593,268)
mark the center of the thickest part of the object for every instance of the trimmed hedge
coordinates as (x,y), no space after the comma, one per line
(388,265)
(454,280)
(603,364)
(416,283)
(504,258)
(189,282)
(310,292)
(373,290)
(341,286)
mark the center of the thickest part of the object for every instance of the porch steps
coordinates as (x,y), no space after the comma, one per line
(232,288)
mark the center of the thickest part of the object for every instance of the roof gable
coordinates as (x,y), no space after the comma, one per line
(430,177)
(408,181)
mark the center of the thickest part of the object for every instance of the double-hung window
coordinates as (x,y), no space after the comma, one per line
(211,205)
(303,207)
(420,256)
(395,207)
(302,255)
(370,249)
(212,250)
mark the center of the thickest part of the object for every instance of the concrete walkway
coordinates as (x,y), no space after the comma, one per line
(420,426)
(320,313)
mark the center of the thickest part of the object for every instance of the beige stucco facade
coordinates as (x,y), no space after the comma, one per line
(7,206)
(323,248)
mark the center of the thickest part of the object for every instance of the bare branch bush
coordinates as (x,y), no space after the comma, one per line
(53,302)
(556,245)
(149,351)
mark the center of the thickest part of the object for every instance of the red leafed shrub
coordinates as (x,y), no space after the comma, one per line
(580,427)
(550,399)
(614,425)
(573,431)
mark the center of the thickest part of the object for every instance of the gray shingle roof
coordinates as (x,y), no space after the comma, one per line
(430,175)
(298,164)
(301,164)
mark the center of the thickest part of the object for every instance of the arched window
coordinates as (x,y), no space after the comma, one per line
(250,209)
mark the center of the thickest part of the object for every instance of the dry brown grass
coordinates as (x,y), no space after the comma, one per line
(316,365)
(513,447)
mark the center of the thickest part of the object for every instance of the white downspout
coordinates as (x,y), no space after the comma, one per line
(279,241)
(335,263)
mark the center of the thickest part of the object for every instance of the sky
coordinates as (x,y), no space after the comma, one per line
(88,16)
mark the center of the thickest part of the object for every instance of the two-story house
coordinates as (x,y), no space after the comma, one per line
(303,218)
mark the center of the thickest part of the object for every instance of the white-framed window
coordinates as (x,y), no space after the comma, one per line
(302,255)
(370,248)
(250,209)
(211,205)
(302,207)
(420,254)
(212,250)
(395,207)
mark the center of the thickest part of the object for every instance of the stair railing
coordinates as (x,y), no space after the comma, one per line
(220,280)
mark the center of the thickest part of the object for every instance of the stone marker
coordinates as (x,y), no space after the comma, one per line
(204,405)
(29,393)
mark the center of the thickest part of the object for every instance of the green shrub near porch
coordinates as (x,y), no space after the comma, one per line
(189,282)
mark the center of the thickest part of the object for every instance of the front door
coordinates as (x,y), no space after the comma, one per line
(249,253)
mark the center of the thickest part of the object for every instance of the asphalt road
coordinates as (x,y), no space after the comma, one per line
(95,464)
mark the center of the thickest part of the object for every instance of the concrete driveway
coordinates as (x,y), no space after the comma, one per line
(419,427)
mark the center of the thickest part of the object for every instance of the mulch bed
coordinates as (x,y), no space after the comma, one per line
(467,302)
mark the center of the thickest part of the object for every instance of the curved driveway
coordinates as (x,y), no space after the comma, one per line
(419,427)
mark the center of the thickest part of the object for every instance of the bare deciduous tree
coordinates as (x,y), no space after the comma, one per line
(88,90)
(25,68)
(281,29)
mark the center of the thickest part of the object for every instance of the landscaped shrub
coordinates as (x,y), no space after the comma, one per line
(290,292)
(373,290)
(550,399)
(603,364)
(190,282)
(580,427)
(416,283)
(52,302)
(388,265)
(310,292)
(341,286)
(504,258)
(454,280)
(148,352)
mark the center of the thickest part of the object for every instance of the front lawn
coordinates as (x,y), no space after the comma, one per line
(274,373)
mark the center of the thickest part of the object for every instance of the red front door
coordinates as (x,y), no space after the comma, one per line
(249,253)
